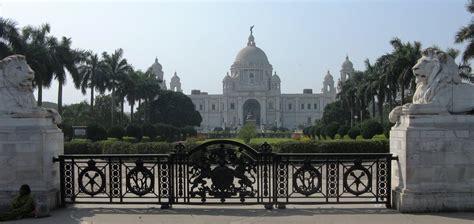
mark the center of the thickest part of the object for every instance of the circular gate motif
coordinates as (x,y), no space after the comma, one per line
(91,179)
(360,179)
(307,180)
(140,180)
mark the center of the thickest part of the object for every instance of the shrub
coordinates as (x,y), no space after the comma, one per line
(247,132)
(386,129)
(135,131)
(331,129)
(317,131)
(336,146)
(189,131)
(116,132)
(353,132)
(342,131)
(150,131)
(67,130)
(218,129)
(370,128)
(96,132)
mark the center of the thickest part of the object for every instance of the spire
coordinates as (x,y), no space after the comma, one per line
(156,59)
(251,41)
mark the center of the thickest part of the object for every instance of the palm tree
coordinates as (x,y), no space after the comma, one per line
(65,58)
(466,34)
(405,56)
(35,47)
(148,90)
(132,90)
(10,39)
(117,69)
(93,77)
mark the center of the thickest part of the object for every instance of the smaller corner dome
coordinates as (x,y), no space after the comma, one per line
(175,77)
(347,63)
(275,77)
(157,65)
(328,77)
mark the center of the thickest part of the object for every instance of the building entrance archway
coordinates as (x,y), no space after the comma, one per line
(251,110)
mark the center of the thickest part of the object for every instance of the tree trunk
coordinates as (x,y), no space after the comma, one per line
(131,112)
(373,106)
(92,100)
(380,104)
(403,94)
(60,98)
(121,111)
(40,95)
(352,117)
(112,107)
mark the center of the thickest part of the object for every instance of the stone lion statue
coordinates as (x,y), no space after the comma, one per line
(16,91)
(439,88)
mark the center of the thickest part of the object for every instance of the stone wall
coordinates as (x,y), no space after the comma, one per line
(27,148)
(435,171)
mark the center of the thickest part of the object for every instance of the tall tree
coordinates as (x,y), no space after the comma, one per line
(36,48)
(405,56)
(93,77)
(117,69)
(65,59)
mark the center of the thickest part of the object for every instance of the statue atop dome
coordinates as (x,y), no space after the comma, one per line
(251,29)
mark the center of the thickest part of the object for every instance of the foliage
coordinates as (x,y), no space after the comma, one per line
(353,132)
(176,109)
(332,146)
(370,128)
(116,132)
(96,132)
(149,130)
(102,111)
(465,34)
(133,130)
(67,130)
(334,112)
(247,132)
(76,114)
(331,129)
(336,146)
(342,131)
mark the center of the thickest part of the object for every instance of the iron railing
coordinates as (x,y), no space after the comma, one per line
(227,172)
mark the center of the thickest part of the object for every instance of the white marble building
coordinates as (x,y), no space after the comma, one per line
(251,91)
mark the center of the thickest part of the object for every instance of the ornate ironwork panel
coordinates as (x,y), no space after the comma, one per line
(228,172)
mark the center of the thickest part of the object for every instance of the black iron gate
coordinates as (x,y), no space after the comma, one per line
(226,172)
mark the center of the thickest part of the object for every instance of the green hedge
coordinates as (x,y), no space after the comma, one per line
(330,146)
(334,146)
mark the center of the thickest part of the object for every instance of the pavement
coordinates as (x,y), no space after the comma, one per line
(340,214)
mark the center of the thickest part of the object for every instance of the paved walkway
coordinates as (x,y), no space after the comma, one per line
(131,214)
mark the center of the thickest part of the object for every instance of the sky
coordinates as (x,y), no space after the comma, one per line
(200,39)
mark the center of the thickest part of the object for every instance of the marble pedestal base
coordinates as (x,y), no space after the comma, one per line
(27,148)
(435,171)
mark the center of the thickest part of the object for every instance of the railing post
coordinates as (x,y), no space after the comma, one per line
(389,182)
(62,192)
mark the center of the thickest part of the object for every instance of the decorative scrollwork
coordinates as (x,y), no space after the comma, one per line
(361,179)
(91,179)
(307,180)
(140,179)
(222,172)
(265,148)
(180,148)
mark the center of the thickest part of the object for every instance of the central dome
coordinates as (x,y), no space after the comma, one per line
(251,55)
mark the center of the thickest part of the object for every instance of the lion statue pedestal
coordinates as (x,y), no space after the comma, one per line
(434,140)
(29,136)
